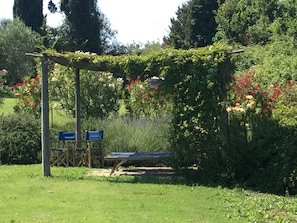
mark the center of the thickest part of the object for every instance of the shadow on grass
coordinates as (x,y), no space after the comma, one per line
(151,175)
(145,180)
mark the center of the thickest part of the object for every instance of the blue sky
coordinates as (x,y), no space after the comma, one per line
(135,20)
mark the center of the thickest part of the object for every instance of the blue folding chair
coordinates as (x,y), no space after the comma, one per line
(95,151)
(60,149)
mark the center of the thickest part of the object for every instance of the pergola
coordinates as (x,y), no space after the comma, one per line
(102,63)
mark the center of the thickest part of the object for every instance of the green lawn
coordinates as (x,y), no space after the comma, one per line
(7,106)
(71,195)
(57,116)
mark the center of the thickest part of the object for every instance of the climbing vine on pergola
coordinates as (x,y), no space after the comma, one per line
(196,78)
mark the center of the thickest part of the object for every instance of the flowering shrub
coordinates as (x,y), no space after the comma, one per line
(99,91)
(29,94)
(249,101)
(249,97)
(260,147)
(146,99)
(250,105)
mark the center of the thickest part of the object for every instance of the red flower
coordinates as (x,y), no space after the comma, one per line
(251,93)
(36,79)
(290,83)
(145,96)
(17,85)
(26,101)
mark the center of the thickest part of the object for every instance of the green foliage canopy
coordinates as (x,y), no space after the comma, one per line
(195,25)
(15,40)
(201,25)
(30,12)
(83,24)
(245,22)
(160,63)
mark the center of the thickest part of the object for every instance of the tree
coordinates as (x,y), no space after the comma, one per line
(30,12)
(58,38)
(201,25)
(245,21)
(82,25)
(176,37)
(285,25)
(109,43)
(195,25)
(16,39)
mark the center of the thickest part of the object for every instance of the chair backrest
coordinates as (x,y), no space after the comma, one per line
(94,135)
(64,136)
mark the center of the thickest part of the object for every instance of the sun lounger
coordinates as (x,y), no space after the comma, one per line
(122,157)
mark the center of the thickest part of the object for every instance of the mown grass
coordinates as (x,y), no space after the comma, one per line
(56,117)
(72,195)
(7,106)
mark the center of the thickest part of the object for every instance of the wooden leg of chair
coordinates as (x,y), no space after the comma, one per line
(102,159)
(67,158)
(90,158)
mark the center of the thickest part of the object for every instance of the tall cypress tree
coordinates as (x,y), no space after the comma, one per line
(83,22)
(201,25)
(177,37)
(29,11)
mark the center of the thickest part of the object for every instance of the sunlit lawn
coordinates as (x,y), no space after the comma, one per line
(56,116)
(7,106)
(72,196)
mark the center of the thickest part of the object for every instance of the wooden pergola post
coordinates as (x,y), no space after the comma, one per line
(45,135)
(77,107)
